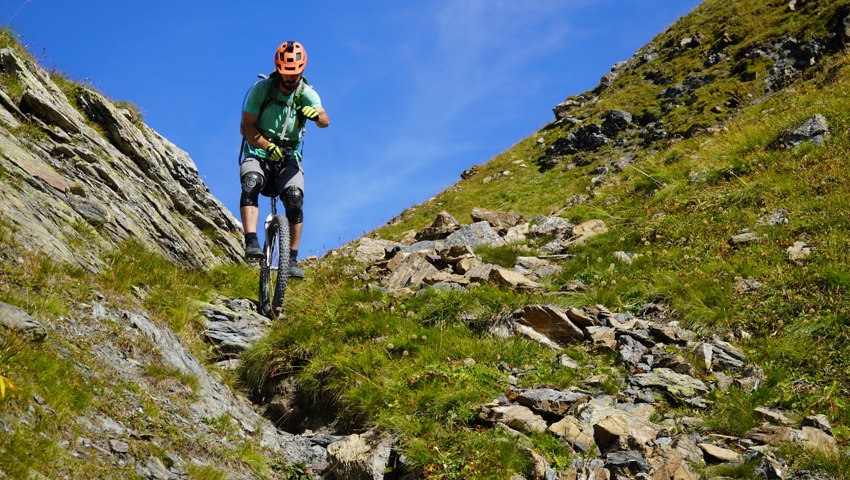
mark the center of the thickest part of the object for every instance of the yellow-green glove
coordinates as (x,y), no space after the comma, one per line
(310,112)
(273,153)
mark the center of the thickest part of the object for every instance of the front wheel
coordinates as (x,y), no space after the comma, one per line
(274,270)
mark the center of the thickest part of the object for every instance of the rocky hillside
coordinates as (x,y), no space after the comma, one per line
(96,383)
(84,174)
(639,292)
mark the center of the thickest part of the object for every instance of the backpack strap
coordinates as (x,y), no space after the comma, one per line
(295,98)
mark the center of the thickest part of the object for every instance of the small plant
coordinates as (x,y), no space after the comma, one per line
(504,256)
(30,131)
(135,113)
(5,383)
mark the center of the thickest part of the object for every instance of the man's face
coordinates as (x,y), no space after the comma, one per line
(290,82)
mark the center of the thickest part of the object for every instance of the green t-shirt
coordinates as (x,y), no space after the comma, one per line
(271,121)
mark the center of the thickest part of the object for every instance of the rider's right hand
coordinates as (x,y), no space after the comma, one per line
(273,152)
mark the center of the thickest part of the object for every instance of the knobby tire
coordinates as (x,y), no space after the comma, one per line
(273,282)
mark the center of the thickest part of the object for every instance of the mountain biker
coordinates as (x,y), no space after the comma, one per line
(272,162)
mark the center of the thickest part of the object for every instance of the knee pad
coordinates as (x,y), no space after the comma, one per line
(293,200)
(252,183)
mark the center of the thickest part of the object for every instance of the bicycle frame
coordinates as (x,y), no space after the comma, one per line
(267,245)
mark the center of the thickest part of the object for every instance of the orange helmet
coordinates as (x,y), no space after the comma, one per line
(290,58)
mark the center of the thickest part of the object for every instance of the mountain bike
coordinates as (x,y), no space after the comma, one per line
(274,267)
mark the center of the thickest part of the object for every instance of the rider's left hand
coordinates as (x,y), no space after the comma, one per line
(310,112)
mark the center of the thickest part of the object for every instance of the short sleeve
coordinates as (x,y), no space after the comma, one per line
(256,97)
(311,98)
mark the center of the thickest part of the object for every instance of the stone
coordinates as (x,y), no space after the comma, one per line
(360,457)
(119,446)
(818,440)
(424,246)
(807,437)
(626,463)
(518,233)
(625,257)
(410,272)
(604,338)
(582,318)
(511,279)
(479,233)
(480,271)
(536,336)
(579,435)
(666,463)
(767,467)
(529,264)
(631,351)
(671,334)
(815,130)
(798,252)
(565,361)
(548,400)
(743,286)
(500,221)
(232,326)
(615,121)
(21,322)
(551,226)
(776,217)
(133,185)
(585,231)
(455,254)
(621,431)
(679,387)
(550,321)
(689,449)
(675,362)
(440,228)
(517,417)
(467,265)
(715,454)
(440,276)
(817,421)
(744,238)
(371,250)
(772,416)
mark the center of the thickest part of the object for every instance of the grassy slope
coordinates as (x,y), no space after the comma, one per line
(421,366)
(399,364)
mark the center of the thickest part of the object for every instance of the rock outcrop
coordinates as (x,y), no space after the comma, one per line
(88,174)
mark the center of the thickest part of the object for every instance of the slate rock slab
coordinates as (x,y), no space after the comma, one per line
(20,321)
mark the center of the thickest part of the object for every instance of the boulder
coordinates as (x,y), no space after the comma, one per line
(360,457)
(500,221)
(516,417)
(511,279)
(619,431)
(815,130)
(716,454)
(371,250)
(19,321)
(479,233)
(579,435)
(410,272)
(440,228)
(550,321)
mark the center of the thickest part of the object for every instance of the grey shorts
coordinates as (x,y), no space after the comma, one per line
(277,176)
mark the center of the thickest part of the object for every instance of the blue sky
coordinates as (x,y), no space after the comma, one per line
(416,92)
